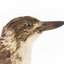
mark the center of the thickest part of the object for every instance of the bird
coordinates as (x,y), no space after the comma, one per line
(18,36)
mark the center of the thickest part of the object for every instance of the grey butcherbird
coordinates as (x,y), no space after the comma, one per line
(18,36)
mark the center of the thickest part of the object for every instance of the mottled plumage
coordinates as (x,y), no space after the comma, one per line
(17,38)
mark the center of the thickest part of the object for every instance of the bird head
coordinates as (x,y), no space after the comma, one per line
(24,27)
(18,36)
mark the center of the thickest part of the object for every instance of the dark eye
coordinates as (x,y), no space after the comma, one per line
(29,25)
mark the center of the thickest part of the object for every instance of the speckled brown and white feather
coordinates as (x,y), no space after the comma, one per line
(17,39)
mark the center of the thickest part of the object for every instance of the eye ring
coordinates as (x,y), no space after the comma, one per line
(29,25)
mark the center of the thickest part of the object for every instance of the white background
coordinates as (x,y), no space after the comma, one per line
(49,47)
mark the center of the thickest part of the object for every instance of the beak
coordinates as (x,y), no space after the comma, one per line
(50,25)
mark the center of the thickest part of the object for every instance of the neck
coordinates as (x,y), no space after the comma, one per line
(25,53)
(26,48)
